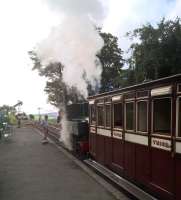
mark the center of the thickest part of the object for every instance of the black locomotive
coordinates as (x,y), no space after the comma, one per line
(77,116)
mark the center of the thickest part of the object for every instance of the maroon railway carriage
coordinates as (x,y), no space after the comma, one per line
(136,132)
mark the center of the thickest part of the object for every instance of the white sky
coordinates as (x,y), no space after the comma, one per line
(23,23)
(124,16)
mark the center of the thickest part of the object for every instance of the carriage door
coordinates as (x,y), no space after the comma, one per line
(92,128)
(117,138)
(100,152)
(162,162)
(178,143)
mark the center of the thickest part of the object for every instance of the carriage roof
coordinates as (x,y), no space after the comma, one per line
(141,86)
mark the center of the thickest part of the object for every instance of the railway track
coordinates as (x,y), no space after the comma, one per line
(128,188)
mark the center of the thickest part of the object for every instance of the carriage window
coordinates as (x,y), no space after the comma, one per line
(93,114)
(179,118)
(142,116)
(129,116)
(118,121)
(108,115)
(100,115)
(162,115)
(179,88)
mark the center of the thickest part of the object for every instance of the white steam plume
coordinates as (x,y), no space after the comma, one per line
(75,42)
(65,134)
(78,7)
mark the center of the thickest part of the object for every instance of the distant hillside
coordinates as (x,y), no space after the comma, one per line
(52,115)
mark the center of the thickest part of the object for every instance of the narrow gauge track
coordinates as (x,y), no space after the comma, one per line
(128,188)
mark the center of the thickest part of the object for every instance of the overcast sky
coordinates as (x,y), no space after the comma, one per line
(23,23)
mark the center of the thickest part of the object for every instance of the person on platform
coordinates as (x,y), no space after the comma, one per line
(45,127)
(19,122)
(58,118)
(18,117)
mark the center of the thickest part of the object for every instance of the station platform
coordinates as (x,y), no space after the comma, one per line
(30,170)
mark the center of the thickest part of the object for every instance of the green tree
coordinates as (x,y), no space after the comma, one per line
(32,117)
(156,53)
(7,113)
(112,62)
(7,109)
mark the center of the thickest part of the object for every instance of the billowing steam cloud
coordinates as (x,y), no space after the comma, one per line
(65,135)
(92,8)
(75,42)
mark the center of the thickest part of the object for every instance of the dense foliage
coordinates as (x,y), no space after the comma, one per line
(32,117)
(157,52)
(111,59)
(7,114)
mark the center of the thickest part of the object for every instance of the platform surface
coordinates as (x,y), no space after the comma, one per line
(30,170)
